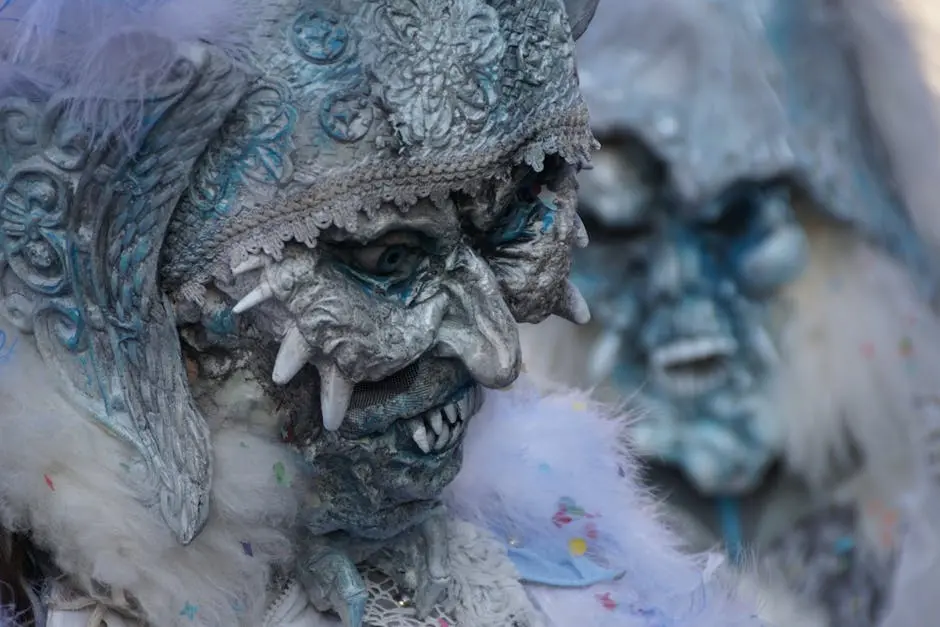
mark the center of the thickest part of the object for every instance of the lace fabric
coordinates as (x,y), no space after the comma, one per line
(390,607)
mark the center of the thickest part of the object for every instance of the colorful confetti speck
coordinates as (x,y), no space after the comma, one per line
(579,406)
(577,546)
(606,601)
(49,482)
(868,350)
(545,468)
(591,531)
(844,545)
(906,347)
(280,473)
(246,547)
(442,622)
(189,611)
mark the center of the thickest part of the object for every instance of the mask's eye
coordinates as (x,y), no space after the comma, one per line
(386,261)
(395,257)
(599,233)
(738,209)
(531,212)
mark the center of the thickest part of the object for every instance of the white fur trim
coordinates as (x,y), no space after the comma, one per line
(861,362)
(60,478)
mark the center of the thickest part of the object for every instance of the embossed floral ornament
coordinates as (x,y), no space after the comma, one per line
(440,67)
(32,211)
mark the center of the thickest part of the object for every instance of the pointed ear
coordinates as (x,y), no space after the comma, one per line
(580,14)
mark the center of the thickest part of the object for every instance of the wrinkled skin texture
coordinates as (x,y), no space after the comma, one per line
(414,309)
(683,294)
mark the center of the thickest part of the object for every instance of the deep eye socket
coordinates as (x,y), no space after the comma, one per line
(531,203)
(600,233)
(739,209)
(387,261)
(395,257)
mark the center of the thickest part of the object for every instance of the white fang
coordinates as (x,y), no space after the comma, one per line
(255,297)
(420,436)
(335,392)
(292,356)
(252,263)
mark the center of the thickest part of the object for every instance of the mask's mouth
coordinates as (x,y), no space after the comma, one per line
(692,367)
(439,429)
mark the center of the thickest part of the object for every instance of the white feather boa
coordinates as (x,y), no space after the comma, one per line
(63,478)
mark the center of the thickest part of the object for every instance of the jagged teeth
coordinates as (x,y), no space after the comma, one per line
(674,365)
(437,423)
(454,436)
(420,435)
(437,429)
(685,351)
(443,439)
(291,357)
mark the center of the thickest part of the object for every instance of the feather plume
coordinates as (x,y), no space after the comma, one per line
(104,57)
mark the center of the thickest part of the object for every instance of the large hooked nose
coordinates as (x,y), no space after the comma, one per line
(478,328)
(675,266)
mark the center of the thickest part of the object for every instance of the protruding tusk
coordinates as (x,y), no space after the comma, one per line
(292,356)
(573,307)
(252,263)
(581,239)
(335,392)
(254,298)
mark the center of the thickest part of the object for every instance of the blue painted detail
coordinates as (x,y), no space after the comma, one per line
(222,322)
(347,116)
(260,153)
(534,204)
(6,352)
(844,545)
(729,512)
(319,36)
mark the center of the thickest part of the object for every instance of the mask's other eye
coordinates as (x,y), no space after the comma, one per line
(601,233)
(530,213)
(736,212)
(391,259)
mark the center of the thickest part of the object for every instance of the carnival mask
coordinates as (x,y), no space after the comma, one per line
(717,119)
(332,236)
(683,294)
